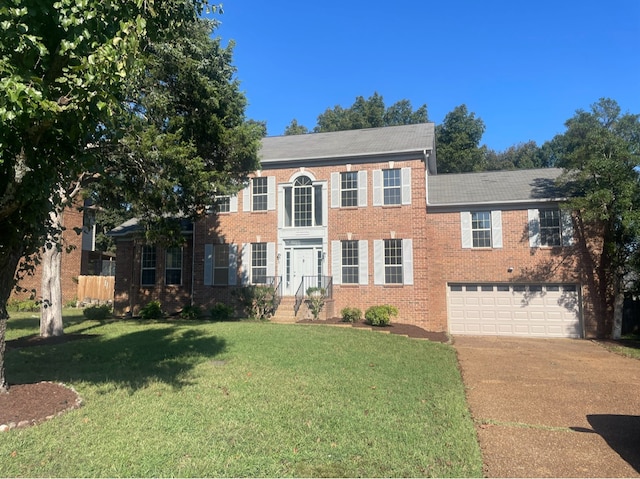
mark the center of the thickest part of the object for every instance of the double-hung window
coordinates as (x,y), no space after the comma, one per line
(393,261)
(349,188)
(550,227)
(259,193)
(481,229)
(350,261)
(148,262)
(392,187)
(258,263)
(221,264)
(173,266)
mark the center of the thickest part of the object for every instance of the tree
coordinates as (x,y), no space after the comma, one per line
(457,141)
(520,156)
(369,113)
(600,156)
(64,76)
(186,132)
(294,128)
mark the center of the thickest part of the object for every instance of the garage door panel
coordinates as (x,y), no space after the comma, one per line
(515,310)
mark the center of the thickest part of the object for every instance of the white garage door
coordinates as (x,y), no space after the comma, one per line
(537,310)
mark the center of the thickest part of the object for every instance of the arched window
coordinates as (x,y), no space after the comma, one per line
(303,203)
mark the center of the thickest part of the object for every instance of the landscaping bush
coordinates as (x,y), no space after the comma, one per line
(152,310)
(221,312)
(191,312)
(258,301)
(351,315)
(97,313)
(315,300)
(380,315)
(26,305)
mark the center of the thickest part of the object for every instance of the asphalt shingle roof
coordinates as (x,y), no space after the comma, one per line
(494,187)
(351,143)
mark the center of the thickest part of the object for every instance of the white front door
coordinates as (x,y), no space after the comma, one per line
(302,264)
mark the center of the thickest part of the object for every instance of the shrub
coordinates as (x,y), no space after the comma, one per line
(152,310)
(258,301)
(26,305)
(72,303)
(221,312)
(97,313)
(351,315)
(315,300)
(380,315)
(191,312)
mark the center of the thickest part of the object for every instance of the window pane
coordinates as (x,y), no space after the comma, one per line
(221,264)
(173,266)
(223,204)
(391,187)
(260,194)
(349,188)
(302,201)
(259,262)
(350,262)
(550,231)
(317,205)
(481,229)
(393,261)
(148,276)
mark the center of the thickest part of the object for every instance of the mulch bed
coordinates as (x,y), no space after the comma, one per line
(409,330)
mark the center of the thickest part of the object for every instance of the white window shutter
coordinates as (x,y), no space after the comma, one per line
(271,193)
(336,261)
(208,264)
(246,198)
(465,227)
(233,264)
(363,262)
(335,190)
(378,261)
(407,261)
(246,263)
(405,174)
(281,211)
(377,188)
(271,259)
(566,223)
(496,229)
(233,204)
(534,228)
(362,188)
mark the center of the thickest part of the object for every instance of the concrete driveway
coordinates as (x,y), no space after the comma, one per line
(552,407)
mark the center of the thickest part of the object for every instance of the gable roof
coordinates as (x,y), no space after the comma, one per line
(494,187)
(340,145)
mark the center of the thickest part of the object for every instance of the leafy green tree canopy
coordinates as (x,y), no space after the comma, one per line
(458,142)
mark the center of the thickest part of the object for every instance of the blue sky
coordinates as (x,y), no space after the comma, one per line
(524,68)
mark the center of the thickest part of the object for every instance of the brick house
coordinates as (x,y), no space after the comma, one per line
(363,214)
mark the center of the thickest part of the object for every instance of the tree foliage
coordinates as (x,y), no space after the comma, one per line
(458,142)
(364,113)
(517,157)
(600,154)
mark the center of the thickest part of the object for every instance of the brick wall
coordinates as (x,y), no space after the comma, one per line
(71,262)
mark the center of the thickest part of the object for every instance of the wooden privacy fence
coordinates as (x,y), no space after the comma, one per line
(95,288)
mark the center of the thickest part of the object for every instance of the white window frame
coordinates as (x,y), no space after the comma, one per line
(151,251)
(247,261)
(336,189)
(466,226)
(363,262)
(379,262)
(247,195)
(566,228)
(173,267)
(210,267)
(405,187)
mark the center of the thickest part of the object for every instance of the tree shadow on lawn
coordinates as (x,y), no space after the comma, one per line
(132,360)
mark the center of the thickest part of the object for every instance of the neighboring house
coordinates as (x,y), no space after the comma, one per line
(79,257)
(363,214)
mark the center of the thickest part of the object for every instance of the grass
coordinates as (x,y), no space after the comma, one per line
(629,346)
(242,399)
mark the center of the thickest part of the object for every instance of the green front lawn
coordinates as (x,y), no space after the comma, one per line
(186,399)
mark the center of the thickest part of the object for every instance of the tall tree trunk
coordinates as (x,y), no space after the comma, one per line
(618,306)
(9,259)
(51,311)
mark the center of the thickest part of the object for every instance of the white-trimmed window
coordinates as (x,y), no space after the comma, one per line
(220,264)
(258,263)
(393,261)
(392,187)
(481,229)
(349,262)
(550,227)
(260,194)
(349,189)
(148,263)
(225,204)
(173,266)
(303,203)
